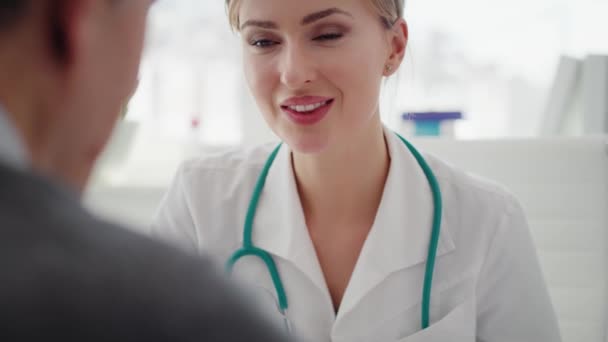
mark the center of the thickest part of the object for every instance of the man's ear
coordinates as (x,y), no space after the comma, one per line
(68,28)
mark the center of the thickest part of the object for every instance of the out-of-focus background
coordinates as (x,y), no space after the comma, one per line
(509,68)
(516,91)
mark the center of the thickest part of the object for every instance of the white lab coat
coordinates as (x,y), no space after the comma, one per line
(488,285)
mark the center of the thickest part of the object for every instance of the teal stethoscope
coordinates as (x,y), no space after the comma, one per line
(249,249)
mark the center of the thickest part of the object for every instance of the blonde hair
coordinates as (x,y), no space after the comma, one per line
(389,11)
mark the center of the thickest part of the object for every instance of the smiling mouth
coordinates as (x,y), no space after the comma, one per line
(307,109)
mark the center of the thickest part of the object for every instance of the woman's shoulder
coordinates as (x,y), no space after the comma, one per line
(476,208)
(205,203)
(227,173)
(458,183)
(477,212)
(226,159)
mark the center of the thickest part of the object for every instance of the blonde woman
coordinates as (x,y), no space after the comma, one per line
(346,232)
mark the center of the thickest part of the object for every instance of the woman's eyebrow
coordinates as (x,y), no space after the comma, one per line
(307,20)
(261,24)
(311,18)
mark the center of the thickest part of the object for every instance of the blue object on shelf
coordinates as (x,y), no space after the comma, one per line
(429,123)
(428,127)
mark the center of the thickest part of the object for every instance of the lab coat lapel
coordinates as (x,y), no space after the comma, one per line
(400,235)
(279,225)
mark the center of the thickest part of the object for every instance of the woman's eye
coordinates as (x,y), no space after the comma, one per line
(263,43)
(329,36)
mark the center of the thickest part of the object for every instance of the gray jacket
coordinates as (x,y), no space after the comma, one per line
(68,276)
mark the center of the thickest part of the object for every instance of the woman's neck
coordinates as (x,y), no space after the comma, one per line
(345,183)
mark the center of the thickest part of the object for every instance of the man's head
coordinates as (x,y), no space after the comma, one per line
(68,66)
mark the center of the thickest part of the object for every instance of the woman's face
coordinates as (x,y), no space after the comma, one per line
(315,67)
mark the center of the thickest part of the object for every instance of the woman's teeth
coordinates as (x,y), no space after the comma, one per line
(307,108)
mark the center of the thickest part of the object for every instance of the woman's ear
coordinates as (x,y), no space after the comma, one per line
(398,45)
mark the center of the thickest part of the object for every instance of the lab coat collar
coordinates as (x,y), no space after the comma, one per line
(400,235)
(398,239)
(280,226)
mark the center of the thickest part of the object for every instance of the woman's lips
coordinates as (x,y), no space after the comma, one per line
(307,110)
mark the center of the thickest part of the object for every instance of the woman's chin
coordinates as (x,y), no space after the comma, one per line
(307,145)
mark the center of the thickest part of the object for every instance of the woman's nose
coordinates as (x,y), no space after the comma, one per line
(296,68)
